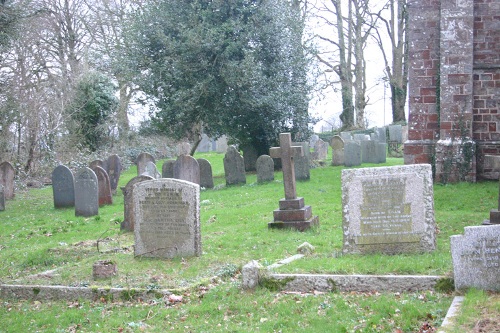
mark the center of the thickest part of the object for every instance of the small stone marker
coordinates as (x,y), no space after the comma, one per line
(114,169)
(104,269)
(104,186)
(7,174)
(292,212)
(476,258)
(206,176)
(63,187)
(320,150)
(337,144)
(2,198)
(234,167)
(167,218)
(128,206)
(388,210)
(352,153)
(186,168)
(167,169)
(141,162)
(494,213)
(86,193)
(150,170)
(265,169)
(301,163)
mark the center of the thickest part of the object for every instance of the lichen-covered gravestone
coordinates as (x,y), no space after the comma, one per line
(128,206)
(206,176)
(320,150)
(114,169)
(104,186)
(86,193)
(352,153)
(234,167)
(63,187)
(337,144)
(476,258)
(388,210)
(186,168)
(7,174)
(167,218)
(265,169)
(141,162)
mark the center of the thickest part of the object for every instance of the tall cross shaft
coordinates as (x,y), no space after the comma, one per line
(287,152)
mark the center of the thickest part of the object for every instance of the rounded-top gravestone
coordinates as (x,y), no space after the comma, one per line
(337,144)
(206,177)
(86,193)
(141,162)
(63,187)
(104,186)
(186,168)
(167,169)
(114,169)
(234,167)
(265,169)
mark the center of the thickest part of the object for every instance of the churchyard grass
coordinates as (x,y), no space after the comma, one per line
(36,238)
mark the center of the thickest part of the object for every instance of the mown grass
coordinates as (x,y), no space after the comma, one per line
(42,245)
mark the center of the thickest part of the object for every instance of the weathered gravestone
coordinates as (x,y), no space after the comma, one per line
(265,169)
(86,193)
(150,170)
(128,206)
(183,148)
(396,133)
(369,151)
(476,258)
(114,169)
(320,150)
(206,177)
(104,186)
(250,156)
(381,149)
(313,139)
(346,136)
(141,162)
(388,210)
(63,187)
(7,174)
(234,167)
(337,144)
(361,137)
(292,212)
(352,153)
(301,163)
(167,218)
(2,198)
(221,144)
(186,168)
(381,134)
(205,144)
(101,163)
(167,169)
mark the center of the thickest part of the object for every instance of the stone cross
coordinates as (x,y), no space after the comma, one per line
(287,152)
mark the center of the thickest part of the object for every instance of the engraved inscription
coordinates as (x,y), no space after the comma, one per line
(485,253)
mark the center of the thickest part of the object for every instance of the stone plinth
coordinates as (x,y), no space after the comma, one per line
(293,214)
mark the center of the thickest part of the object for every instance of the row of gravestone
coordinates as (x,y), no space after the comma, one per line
(353,153)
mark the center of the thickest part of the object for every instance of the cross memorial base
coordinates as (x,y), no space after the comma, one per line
(293,214)
(494,218)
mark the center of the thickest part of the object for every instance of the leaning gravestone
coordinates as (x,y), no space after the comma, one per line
(128,207)
(114,169)
(167,169)
(301,163)
(234,167)
(186,168)
(104,186)
(2,198)
(141,162)
(167,218)
(388,210)
(476,258)
(7,174)
(337,144)
(206,177)
(352,153)
(265,169)
(86,193)
(63,187)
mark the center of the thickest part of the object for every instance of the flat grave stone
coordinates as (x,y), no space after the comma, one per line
(2,198)
(86,193)
(301,163)
(7,174)
(388,210)
(186,168)
(206,176)
(114,170)
(167,218)
(167,169)
(476,258)
(265,169)
(234,167)
(141,162)
(63,187)
(104,186)
(352,153)
(128,206)
(337,144)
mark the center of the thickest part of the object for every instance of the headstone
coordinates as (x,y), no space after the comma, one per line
(2,198)
(206,177)
(141,162)
(396,133)
(369,151)
(167,169)
(292,212)
(265,169)
(104,186)
(114,169)
(186,168)
(234,167)
(346,136)
(381,152)
(205,144)
(167,218)
(313,139)
(250,156)
(150,170)
(63,187)
(100,163)
(361,137)
(128,207)
(221,144)
(476,258)
(337,150)
(388,210)
(320,150)
(183,148)
(301,163)
(352,153)
(7,174)
(86,193)
(381,135)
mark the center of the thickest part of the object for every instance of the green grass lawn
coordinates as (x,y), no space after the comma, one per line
(36,238)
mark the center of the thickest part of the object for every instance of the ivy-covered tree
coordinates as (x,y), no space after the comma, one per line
(234,67)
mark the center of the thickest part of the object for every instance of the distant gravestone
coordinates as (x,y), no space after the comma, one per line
(183,148)
(114,169)
(101,163)
(234,167)
(369,151)
(381,152)
(250,156)
(128,207)
(2,198)
(186,168)
(63,187)
(86,193)
(141,162)
(352,153)
(150,170)
(388,210)
(346,136)
(301,163)
(104,186)
(380,134)
(167,218)
(7,174)
(221,144)
(313,139)
(396,133)
(206,176)
(265,169)
(476,258)
(205,144)
(337,150)
(320,150)
(167,169)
